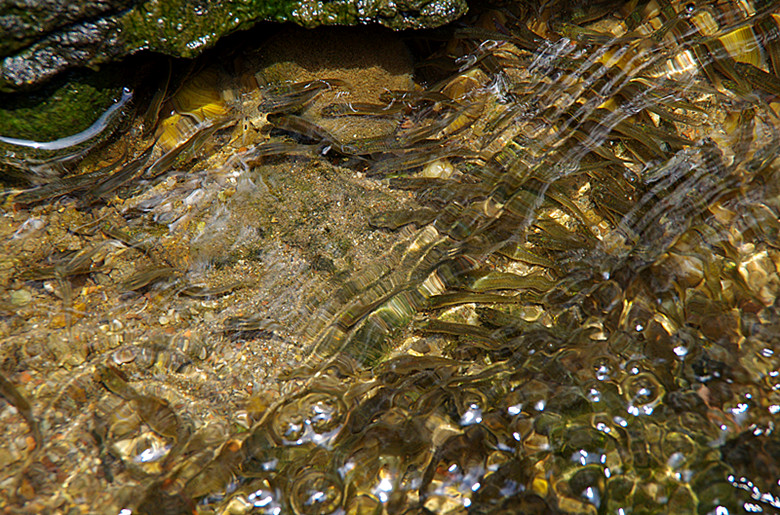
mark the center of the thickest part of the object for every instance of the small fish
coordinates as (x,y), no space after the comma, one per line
(362,109)
(77,263)
(124,175)
(156,413)
(510,281)
(152,115)
(17,400)
(187,149)
(299,125)
(191,290)
(758,78)
(144,278)
(480,334)
(396,219)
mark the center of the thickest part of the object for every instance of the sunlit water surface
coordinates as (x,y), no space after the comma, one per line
(527,264)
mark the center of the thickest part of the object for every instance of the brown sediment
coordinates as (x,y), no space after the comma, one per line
(370,60)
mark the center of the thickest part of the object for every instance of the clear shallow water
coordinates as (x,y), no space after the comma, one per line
(549,287)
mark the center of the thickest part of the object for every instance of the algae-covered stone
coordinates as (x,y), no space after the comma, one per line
(63,107)
(59,121)
(42,38)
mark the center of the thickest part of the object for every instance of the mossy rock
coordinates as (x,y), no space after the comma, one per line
(59,122)
(44,38)
(58,109)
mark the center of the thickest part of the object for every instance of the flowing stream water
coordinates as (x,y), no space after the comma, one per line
(527,263)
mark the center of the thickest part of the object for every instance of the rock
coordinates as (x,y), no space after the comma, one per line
(21,298)
(59,108)
(42,38)
(59,122)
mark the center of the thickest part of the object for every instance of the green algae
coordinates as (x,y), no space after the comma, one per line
(67,106)
(184,28)
(43,46)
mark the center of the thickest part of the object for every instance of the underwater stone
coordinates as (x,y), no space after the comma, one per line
(62,108)
(43,38)
(59,121)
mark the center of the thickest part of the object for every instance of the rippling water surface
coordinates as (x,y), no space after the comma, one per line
(524,264)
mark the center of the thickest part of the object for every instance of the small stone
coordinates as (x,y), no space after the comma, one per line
(440,168)
(21,298)
(26,490)
(125,355)
(421,346)
(58,321)
(238,506)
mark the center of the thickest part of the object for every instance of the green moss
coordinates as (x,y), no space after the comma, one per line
(66,107)
(42,45)
(185,27)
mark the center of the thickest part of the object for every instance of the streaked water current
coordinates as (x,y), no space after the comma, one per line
(524,264)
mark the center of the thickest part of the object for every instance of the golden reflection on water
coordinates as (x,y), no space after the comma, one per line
(540,279)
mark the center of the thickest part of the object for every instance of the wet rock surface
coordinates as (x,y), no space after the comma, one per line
(44,38)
